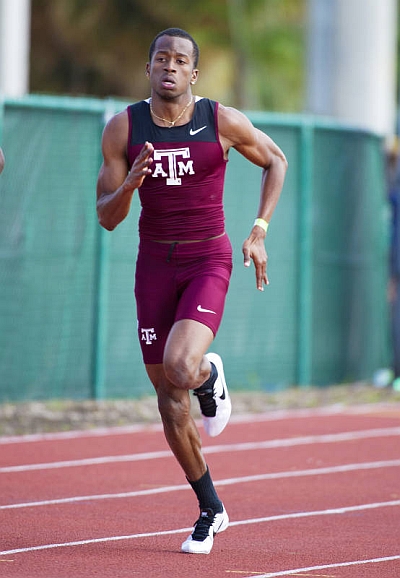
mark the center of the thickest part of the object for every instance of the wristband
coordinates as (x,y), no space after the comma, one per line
(261,223)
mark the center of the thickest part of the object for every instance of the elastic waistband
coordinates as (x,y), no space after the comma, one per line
(165,251)
(186,242)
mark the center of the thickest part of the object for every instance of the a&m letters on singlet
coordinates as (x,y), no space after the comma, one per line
(176,167)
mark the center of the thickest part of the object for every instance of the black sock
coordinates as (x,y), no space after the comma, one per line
(208,384)
(206,494)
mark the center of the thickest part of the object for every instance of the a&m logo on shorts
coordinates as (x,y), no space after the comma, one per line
(148,335)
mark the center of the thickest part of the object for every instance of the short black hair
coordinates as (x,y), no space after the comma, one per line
(180,34)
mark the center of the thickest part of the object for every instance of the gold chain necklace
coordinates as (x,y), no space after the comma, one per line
(171,122)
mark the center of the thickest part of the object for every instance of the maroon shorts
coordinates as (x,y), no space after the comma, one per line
(179,281)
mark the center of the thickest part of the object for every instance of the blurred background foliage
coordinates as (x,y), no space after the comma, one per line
(251,51)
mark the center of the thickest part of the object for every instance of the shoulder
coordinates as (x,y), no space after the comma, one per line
(117,128)
(115,134)
(230,118)
(234,126)
(238,132)
(117,123)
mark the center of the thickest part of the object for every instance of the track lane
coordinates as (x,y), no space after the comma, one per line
(285,454)
(270,545)
(282,542)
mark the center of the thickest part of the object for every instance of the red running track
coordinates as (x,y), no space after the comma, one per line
(309,493)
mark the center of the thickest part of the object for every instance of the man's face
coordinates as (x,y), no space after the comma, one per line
(171,69)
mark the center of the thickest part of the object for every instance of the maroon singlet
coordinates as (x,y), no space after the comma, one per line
(182,199)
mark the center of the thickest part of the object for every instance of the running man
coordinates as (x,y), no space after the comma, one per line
(173,148)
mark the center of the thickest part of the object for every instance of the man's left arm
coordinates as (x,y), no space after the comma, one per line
(237,131)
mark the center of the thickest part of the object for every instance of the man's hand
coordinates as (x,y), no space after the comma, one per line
(254,248)
(141,167)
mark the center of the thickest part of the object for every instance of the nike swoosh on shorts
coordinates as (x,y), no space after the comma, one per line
(201,310)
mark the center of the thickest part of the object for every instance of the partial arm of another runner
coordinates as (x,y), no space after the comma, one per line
(2,160)
(238,132)
(116,182)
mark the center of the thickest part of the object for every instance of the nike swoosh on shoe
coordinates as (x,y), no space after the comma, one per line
(216,424)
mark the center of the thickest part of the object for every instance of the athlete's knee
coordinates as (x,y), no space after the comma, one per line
(182,372)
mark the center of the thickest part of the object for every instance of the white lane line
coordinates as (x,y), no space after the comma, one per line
(268,444)
(80,434)
(94,541)
(315,513)
(87,462)
(225,482)
(273,415)
(300,571)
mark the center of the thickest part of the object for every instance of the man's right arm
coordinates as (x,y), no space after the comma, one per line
(116,183)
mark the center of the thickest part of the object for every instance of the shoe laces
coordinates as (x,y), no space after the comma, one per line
(207,401)
(203,525)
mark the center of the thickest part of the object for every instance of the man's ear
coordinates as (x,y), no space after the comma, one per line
(195,75)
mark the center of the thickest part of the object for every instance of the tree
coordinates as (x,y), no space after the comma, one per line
(251,50)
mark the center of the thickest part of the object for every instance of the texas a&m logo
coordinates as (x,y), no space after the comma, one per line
(148,335)
(177,165)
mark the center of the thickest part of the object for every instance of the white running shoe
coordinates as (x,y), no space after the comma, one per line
(215,403)
(201,540)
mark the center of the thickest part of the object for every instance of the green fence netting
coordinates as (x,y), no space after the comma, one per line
(67,313)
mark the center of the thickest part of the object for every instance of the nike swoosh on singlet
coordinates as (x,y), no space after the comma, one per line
(193,132)
(201,310)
